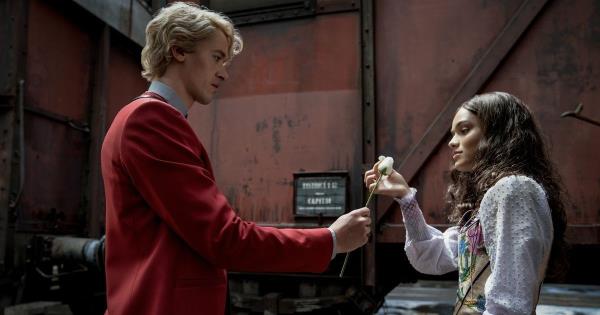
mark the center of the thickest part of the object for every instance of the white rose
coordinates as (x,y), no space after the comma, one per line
(386,165)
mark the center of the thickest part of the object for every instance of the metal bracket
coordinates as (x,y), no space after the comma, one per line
(77,125)
(250,12)
(80,268)
(128,17)
(576,114)
(337,6)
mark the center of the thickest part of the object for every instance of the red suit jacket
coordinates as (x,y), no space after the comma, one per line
(170,233)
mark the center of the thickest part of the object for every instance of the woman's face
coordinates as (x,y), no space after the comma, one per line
(466,134)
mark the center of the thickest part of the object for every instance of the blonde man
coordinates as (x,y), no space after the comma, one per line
(170,233)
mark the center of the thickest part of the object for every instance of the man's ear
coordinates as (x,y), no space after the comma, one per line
(178,53)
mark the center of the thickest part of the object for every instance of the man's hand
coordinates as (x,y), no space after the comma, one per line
(352,230)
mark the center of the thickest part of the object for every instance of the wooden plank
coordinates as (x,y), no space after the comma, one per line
(477,77)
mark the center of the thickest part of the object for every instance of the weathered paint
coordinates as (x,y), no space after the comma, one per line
(555,67)
(292,104)
(124,81)
(58,72)
(424,64)
(552,67)
(59,61)
(53,178)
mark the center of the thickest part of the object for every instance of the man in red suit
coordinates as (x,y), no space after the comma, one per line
(170,233)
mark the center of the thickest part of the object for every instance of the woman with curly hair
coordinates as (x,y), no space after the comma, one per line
(506,203)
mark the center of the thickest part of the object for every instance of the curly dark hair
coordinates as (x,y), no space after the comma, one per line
(512,144)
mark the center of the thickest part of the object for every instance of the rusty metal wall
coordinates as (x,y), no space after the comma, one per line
(58,73)
(295,103)
(555,67)
(11,121)
(58,47)
(79,74)
(292,104)
(428,51)
(124,80)
(420,66)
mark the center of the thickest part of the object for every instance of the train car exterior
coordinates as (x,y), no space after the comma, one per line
(321,89)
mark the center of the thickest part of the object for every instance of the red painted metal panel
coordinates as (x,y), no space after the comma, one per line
(555,67)
(125,81)
(59,62)
(55,163)
(313,54)
(552,68)
(59,65)
(292,104)
(485,66)
(424,49)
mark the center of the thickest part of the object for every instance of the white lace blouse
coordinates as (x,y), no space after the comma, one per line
(517,231)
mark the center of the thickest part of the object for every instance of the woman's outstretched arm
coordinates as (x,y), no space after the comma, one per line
(428,249)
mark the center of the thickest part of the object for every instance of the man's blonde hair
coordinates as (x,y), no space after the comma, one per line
(182,25)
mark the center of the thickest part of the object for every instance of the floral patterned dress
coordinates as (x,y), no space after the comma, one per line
(473,269)
(511,233)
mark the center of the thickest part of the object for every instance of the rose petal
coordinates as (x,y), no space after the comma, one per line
(386,166)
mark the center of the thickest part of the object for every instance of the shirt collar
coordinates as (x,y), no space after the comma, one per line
(169,94)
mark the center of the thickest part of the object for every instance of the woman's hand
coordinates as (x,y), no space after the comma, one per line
(393,185)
